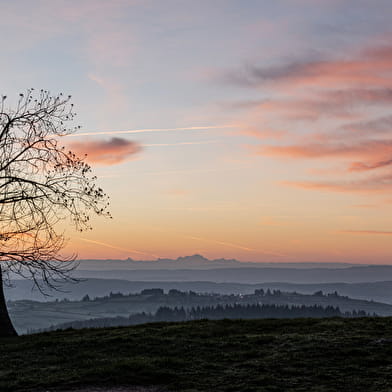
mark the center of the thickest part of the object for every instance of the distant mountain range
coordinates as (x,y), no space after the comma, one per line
(193,262)
(254,274)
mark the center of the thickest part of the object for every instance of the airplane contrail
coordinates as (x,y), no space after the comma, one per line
(231,245)
(151,130)
(179,144)
(220,243)
(118,247)
(380,232)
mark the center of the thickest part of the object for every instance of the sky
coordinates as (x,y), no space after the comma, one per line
(255,130)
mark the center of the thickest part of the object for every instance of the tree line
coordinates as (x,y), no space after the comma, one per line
(174,293)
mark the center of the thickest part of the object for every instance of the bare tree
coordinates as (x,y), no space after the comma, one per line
(41,184)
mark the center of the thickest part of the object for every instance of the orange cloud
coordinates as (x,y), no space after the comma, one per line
(110,152)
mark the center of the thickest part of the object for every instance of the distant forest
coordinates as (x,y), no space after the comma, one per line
(230,311)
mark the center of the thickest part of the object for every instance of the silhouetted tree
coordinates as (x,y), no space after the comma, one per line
(41,184)
(152,292)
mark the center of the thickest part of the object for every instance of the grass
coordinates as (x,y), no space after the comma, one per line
(229,355)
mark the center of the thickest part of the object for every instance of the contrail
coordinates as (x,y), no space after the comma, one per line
(366,232)
(229,244)
(180,144)
(118,248)
(221,243)
(234,246)
(150,130)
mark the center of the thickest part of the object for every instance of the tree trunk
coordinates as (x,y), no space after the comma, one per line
(6,327)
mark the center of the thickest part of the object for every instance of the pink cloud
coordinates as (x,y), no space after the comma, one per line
(340,104)
(372,184)
(370,149)
(306,109)
(359,96)
(378,125)
(323,186)
(313,99)
(372,66)
(110,152)
(363,166)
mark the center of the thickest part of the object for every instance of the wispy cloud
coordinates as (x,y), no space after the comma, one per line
(370,151)
(368,67)
(365,166)
(371,127)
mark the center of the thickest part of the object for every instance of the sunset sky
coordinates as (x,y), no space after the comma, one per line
(248,129)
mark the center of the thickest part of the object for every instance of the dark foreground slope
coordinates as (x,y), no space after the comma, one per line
(253,355)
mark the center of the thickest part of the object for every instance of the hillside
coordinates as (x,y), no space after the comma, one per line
(27,315)
(253,355)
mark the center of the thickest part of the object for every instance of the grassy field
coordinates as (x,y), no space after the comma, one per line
(253,355)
